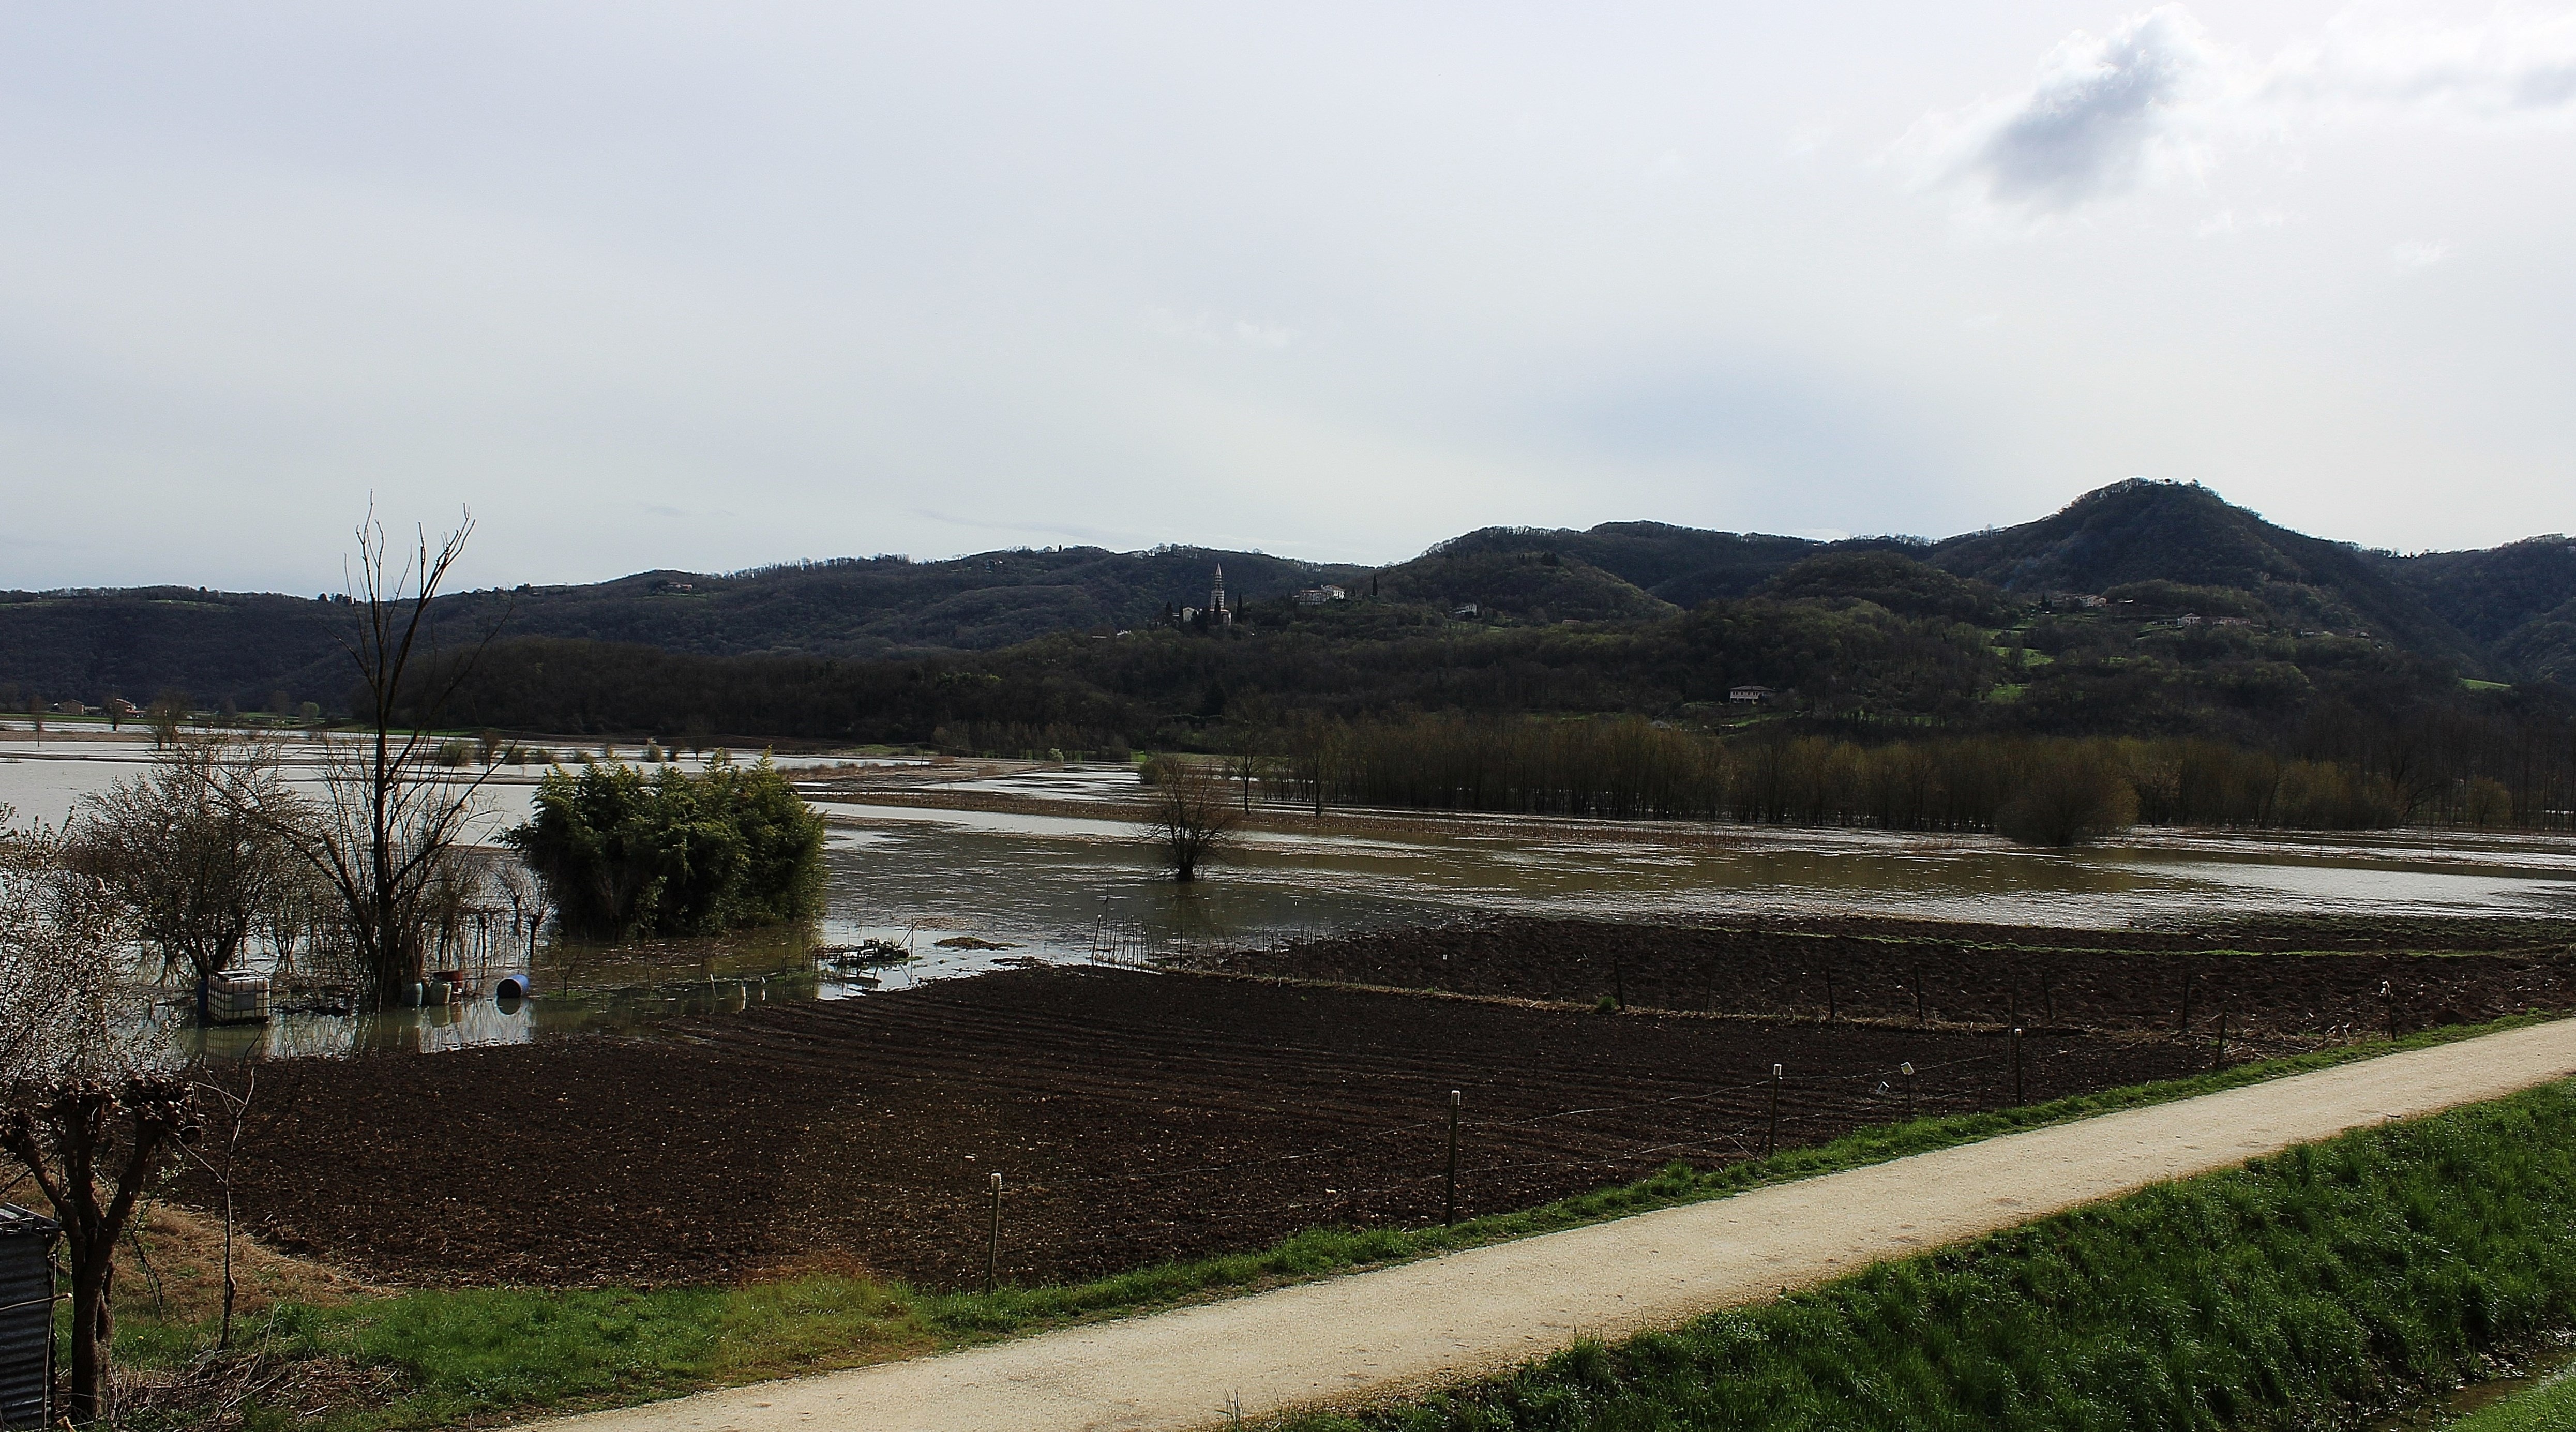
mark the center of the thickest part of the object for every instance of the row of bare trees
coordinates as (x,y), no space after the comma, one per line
(207,853)
(217,858)
(1633,768)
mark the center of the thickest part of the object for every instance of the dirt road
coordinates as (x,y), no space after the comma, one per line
(1490,1308)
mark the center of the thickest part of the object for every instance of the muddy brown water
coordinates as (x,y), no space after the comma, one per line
(1073,888)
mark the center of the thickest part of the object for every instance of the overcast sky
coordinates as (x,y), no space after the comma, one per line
(717,285)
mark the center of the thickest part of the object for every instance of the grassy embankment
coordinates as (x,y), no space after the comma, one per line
(439,1357)
(2332,1279)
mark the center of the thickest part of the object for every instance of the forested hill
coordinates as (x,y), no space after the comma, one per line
(2151,549)
(2147,534)
(245,647)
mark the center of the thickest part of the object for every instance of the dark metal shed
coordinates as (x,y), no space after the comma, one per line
(26,1317)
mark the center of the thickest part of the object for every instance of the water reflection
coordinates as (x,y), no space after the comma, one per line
(1052,878)
(1001,889)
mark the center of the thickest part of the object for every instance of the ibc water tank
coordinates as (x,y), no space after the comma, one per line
(26,1317)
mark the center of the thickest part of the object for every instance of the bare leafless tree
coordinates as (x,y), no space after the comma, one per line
(390,815)
(194,848)
(531,905)
(296,921)
(168,712)
(1250,740)
(1319,749)
(218,1155)
(1190,814)
(90,1100)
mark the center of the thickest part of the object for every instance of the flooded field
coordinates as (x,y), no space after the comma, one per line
(1060,881)
(1009,888)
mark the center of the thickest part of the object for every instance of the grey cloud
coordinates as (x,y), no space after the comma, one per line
(2155,98)
(2093,126)
(2105,114)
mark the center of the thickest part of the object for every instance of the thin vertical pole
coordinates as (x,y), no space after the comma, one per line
(1771,1140)
(1907,1069)
(1449,1210)
(2186,1006)
(2017,1095)
(2221,1056)
(1829,997)
(1918,994)
(993,1248)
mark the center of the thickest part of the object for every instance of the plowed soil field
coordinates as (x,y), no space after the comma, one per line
(1134,1118)
(2279,986)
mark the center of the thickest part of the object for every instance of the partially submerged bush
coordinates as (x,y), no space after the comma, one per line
(1190,816)
(626,856)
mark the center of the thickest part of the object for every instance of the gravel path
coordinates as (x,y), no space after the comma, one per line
(1370,1334)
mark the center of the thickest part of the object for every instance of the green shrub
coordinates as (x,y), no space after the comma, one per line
(627,856)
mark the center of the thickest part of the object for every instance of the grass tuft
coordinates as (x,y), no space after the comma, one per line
(2549,1407)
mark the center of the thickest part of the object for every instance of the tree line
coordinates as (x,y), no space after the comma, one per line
(1633,768)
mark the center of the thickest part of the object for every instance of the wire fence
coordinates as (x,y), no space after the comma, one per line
(1609,1139)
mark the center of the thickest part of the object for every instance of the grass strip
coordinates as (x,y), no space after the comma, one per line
(2549,1407)
(2329,1280)
(462,1355)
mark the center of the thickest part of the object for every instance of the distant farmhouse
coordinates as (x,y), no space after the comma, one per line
(1752,695)
(1317,596)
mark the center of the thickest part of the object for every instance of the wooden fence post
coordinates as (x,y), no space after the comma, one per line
(993,1246)
(1449,1210)
(1771,1140)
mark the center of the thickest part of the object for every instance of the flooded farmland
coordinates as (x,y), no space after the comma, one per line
(1008,887)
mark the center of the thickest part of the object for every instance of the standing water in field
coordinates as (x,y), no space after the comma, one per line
(1000,889)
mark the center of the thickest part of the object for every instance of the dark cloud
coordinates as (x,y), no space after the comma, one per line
(2105,114)
(2094,126)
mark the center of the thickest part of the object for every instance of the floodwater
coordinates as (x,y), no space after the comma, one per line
(1070,888)
(1058,880)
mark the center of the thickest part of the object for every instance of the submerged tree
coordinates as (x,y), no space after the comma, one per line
(624,855)
(94,1108)
(1189,813)
(194,849)
(390,816)
(167,715)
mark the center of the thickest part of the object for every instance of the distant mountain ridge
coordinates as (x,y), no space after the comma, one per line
(2507,613)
